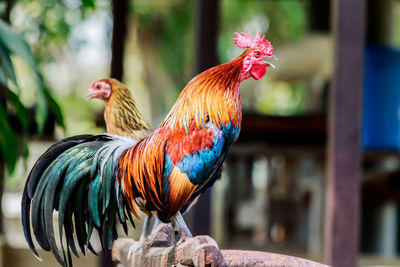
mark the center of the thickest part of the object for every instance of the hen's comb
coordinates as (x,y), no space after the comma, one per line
(244,41)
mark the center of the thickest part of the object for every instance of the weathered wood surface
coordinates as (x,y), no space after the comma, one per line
(158,250)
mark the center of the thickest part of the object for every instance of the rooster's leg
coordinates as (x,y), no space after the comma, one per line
(149,224)
(147,229)
(180,228)
(155,223)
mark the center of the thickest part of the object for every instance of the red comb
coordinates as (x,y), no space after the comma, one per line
(244,41)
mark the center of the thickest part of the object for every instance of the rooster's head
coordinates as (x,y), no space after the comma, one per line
(258,49)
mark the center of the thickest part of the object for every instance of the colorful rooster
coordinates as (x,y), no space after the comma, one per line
(94,178)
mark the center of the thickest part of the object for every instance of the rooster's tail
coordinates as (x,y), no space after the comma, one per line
(77,178)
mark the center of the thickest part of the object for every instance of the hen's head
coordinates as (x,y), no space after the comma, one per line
(101,89)
(258,49)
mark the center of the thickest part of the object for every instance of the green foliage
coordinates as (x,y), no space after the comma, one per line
(172,27)
(281,98)
(280,21)
(13,44)
(88,3)
(8,141)
(22,115)
(49,24)
(16,44)
(173,24)
(176,46)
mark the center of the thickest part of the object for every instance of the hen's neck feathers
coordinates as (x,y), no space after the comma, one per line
(122,116)
(212,95)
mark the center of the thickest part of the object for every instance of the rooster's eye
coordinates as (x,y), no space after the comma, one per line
(257,54)
(98,86)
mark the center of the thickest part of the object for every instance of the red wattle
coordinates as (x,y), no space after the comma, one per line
(258,71)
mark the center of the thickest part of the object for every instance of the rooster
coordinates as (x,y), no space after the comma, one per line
(96,178)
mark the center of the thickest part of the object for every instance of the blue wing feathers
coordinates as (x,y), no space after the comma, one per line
(209,161)
(199,165)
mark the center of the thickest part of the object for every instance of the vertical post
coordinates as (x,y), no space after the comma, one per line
(344,144)
(120,14)
(319,16)
(380,21)
(206,57)
(206,34)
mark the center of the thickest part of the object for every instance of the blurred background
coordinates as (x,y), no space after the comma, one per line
(272,196)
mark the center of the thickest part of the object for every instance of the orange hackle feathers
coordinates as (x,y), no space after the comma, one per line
(212,95)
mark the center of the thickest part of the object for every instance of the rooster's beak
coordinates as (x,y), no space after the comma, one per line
(269,63)
(274,57)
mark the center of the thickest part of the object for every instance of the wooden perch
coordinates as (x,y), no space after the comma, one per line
(199,251)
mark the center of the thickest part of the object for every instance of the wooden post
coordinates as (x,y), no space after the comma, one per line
(206,57)
(380,21)
(319,16)
(207,13)
(120,14)
(344,145)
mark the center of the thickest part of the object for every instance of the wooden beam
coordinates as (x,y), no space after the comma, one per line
(207,13)
(277,130)
(344,138)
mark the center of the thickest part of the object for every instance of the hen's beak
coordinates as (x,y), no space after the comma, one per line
(88,96)
(90,93)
